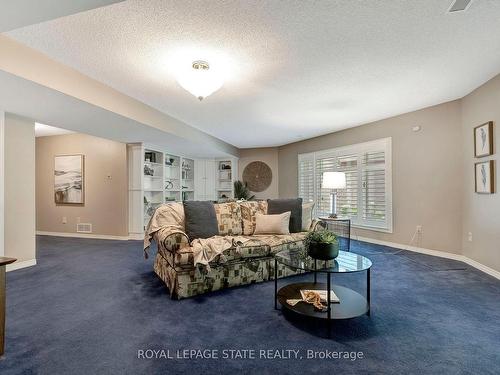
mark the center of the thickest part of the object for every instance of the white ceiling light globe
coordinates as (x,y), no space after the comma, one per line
(200,80)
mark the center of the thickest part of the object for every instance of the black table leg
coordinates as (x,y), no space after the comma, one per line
(2,309)
(315,268)
(329,303)
(368,290)
(349,236)
(275,284)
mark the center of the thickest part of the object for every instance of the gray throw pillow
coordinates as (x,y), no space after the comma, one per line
(200,219)
(294,205)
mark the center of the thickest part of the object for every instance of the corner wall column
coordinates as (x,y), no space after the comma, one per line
(2,174)
(135,152)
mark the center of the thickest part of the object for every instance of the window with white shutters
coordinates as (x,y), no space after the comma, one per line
(367,198)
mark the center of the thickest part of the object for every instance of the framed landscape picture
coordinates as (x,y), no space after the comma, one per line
(485,177)
(69,179)
(483,140)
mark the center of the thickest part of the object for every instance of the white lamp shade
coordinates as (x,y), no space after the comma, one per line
(333,180)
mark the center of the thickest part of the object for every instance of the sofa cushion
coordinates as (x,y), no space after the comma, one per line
(279,206)
(272,224)
(228,218)
(278,242)
(200,219)
(248,211)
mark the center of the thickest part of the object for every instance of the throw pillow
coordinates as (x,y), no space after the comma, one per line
(248,211)
(228,218)
(279,206)
(200,219)
(307,213)
(272,224)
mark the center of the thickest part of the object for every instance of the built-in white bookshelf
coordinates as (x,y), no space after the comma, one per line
(157,176)
(172,178)
(152,182)
(225,179)
(187,179)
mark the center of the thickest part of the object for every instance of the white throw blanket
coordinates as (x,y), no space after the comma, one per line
(206,250)
(168,216)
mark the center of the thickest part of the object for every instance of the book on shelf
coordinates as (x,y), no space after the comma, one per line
(322,294)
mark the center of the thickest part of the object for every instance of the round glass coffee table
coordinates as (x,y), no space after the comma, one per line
(350,303)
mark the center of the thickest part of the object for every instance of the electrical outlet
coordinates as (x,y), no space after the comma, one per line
(469,237)
(419,229)
(64,220)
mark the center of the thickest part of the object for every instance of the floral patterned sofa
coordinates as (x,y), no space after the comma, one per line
(251,262)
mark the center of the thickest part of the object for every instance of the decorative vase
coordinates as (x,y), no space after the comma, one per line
(323,251)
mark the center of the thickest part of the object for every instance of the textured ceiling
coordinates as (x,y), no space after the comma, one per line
(296,69)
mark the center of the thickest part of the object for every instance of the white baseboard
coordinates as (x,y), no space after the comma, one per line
(18,265)
(83,235)
(136,236)
(436,253)
(482,267)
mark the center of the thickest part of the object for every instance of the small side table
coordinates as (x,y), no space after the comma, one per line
(341,227)
(3,263)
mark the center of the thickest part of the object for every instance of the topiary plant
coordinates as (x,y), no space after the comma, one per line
(241,191)
(322,244)
(320,236)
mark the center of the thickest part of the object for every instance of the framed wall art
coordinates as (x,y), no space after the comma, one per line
(485,177)
(69,179)
(483,140)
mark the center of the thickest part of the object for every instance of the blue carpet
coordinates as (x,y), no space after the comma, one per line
(90,305)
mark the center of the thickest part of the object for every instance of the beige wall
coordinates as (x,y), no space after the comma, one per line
(481,213)
(19,188)
(426,173)
(268,155)
(2,183)
(106,199)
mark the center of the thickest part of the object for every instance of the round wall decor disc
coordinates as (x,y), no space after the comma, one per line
(258,176)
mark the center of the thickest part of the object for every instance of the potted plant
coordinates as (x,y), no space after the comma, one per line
(241,191)
(322,244)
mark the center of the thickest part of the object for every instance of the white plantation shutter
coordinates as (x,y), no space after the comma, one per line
(374,196)
(367,199)
(325,163)
(306,177)
(347,200)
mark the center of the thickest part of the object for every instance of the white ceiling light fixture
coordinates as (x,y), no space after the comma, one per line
(199,80)
(459,5)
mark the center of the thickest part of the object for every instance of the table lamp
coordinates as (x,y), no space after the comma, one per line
(333,181)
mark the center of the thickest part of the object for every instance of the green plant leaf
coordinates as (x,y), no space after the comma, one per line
(241,191)
(320,236)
